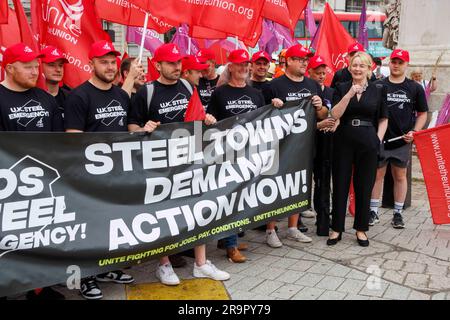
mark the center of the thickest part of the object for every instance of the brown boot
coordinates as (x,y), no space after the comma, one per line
(234,255)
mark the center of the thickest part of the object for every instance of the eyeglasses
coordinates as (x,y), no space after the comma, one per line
(302,60)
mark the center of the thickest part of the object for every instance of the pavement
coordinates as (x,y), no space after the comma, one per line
(408,264)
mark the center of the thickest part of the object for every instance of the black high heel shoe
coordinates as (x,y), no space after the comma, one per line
(332,242)
(363,243)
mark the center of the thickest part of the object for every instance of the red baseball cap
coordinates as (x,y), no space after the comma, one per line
(168,52)
(239,56)
(356,47)
(400,54)
(316,62)
(206,54)
(298,51)
(19,52)
(52,54)
(192,63)
(101,48)
(261,55)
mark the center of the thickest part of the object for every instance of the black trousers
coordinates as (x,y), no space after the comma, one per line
(322,182)
(353,148)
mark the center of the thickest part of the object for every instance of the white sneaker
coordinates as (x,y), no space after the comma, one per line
(298,236)
(308,214)
(208,270)
(166,275)
(272,239)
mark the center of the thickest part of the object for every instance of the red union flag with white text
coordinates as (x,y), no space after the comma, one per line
(434,153)
(71,26)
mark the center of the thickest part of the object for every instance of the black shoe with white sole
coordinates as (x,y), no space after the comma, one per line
(90,290)
(373,219)
(397,221)
(115,276)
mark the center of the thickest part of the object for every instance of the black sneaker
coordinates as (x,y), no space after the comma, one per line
(90,290)
(46,293)
(373,219)
(301,227)
(115,276)
(397,221)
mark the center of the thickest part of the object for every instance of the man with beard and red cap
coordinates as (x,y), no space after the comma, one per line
(292,86)
(23,107)
(88,109)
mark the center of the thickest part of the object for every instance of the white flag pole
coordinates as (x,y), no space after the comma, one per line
(189,45)
(237,42)
(144,32)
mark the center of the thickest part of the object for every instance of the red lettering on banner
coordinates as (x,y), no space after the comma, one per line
(434,155)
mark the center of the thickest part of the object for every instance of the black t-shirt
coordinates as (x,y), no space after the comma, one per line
(370,107)
(169,104)
(260,85)
(90,109)
(403,101)
(288,90)
(206,88)
(61,98)
(31,110)
(227,101)
(343,75)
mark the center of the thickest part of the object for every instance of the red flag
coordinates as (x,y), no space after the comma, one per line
(278,10)
(433,150)
(26,36)
(152,73)
(195,110)
(71,26)
(245,15)
(130,14)
(4,11)
(332,42)
(9,32)
(124,56)
(296,8)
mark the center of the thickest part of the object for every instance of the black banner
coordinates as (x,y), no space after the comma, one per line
(97,202)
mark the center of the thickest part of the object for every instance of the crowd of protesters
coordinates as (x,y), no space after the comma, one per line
(364,122)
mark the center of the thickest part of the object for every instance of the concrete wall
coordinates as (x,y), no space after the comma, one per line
(425,32)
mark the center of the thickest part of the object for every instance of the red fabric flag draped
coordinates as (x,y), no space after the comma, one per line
(152,73)
(433,150)
(4,12)
(195,110)
(72,28)
(244,14)
(332,42)
(9,32)
(26,36)
(279,10)
(296,8)
(130,14)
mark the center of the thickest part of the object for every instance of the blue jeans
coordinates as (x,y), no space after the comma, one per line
(231,241)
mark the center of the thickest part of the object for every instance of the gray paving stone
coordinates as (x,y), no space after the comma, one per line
(396,292)
(308,294)
(352,286)
(309,280)
(417,280)
(320,268)
(395,276)
(416,295)
(393,265)
(414,267)
(338,271)
(267,287)
(286,291)
(272,273)
(290,276)
(330,283)
(332,295)
(302,265)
